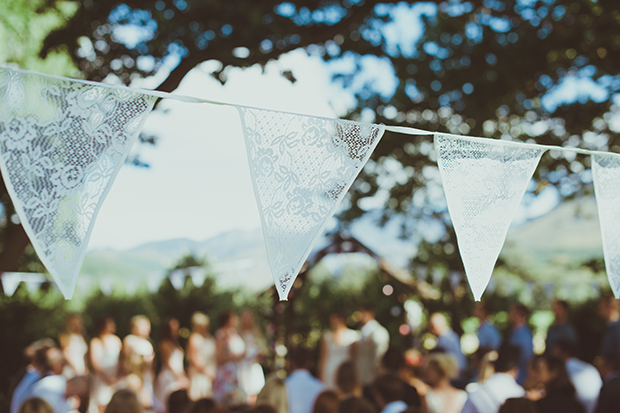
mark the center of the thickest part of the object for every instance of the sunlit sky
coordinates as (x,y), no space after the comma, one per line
(198,183)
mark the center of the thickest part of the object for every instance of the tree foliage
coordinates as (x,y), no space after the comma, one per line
(495,68)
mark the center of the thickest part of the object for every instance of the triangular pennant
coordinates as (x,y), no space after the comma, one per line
(62,142)
(484,181)
(301,167)
(606,176)
(10,282)
(33,281)
(199,275)
(153,281)
(177,279)
(131,286)
(106,285)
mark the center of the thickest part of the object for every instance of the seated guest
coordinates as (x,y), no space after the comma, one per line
(178,401)
(355,405)
(518,405)
(202,406)
(393,362)
(301,387)
(347,380)
(502,384)
(35,405)
(389,393)
(609,398)
(274,394)
(124,401)
(584,376)
(559,392)
(442,397)
(326,402)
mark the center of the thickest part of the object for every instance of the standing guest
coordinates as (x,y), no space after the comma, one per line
(521,336)
(73,344)
(201,357)
(561,329)
(104,352)
(502,385)
(447,339)
(608,310)
(558,391)
(326,402)
(301,387)
(488,335)
(336,348)
(609,398)
(274,394)
(442,397)
(230,350)
(251,375)
(35,405)
(347,381)
(584,376)
(137,359)
(172,375)
(124,401)
(373,344)
(389,393)
(32,373)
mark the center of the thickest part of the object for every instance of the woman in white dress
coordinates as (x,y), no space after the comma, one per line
(201,359)
(73,344)
(251,375)
(337,346)
(104,351)
(137,360)
(172,374)
(442,397)
(230,351)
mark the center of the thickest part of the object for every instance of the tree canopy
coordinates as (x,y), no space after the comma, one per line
(530,70)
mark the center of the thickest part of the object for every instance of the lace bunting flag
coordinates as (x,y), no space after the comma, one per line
(606,176)
(484,181)
(62,142)
(302,167)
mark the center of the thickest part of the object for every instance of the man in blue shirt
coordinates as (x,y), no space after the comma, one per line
(488,335)
(561,329)
(521,336)
(447,339)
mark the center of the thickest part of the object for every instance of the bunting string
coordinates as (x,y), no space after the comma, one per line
(62,142)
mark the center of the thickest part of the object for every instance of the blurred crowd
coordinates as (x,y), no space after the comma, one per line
(357,370)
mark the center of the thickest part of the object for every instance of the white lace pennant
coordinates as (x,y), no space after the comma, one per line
(10,282)
(199,275)
(62,142)
(301,167)
(606,175)
(484,181)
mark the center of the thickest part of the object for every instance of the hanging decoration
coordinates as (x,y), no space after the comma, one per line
(302,167)
(62,143)
(484,181)
(606,176)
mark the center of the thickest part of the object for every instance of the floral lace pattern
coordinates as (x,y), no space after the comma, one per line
(62,143)
(301,167)
(606,176)
(484,182)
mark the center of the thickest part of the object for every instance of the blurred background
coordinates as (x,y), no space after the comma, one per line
(178,232)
